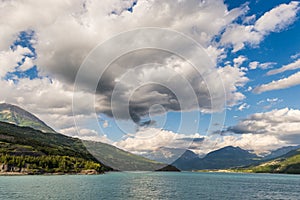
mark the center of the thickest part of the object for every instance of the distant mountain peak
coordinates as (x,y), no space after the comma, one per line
(15,115)
(232,148)
(222,158)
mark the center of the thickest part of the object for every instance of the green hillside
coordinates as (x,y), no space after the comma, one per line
(289,164)
(120,159)
(53,152)
(23,149)
(25,141)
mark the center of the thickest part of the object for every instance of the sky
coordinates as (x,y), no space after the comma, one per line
(145,74)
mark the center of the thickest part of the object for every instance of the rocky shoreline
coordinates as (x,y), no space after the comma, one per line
(9,170)
(84,172)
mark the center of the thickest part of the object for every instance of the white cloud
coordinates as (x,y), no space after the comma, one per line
(239,60)
(239,35)
(249,19)
(67,31)
(50,100)
(259,144)
(266,65)
(60,54)
(275,20)
(284,124)
(151,139)
(28,63)
(9,59)
(105,124)
(292,66)
(269,103)
(249,89)
(278,18)
(227,74)
(272,100)
(260,132)
(288,82)
(295,56)
(253,65)
(243,107)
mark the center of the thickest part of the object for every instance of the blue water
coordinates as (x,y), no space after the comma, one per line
(151,185)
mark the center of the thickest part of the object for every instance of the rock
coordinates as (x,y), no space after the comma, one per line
(89,171)
(168,168)
(15,169)
(4,168)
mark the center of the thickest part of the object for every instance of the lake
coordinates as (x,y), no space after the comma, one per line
(151,185)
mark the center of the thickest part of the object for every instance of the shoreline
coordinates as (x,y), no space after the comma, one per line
(45,174)
(85,172)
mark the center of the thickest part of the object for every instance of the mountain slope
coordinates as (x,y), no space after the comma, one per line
(38,152)
(288,163)
(25,141)
(187,161)
(120,159)
(280,152)
(32,137)
(227,157)
(164,154)
(18,116)
(42,143)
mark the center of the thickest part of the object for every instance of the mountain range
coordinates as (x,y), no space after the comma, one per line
(223,158)
(24,136)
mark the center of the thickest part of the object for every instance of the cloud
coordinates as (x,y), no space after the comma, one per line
(238,35)
(105,124)
(227,74)
(249,89)
(275,20)
(27,64)
(292,66)
(10,59)
(269,103)
(253,65)
(141,88)
(278,18)
(295,56)
(243,107)
(60,54)
(151,139)
(266,65)
(274,100)
(239,60)
(284,124)
(51,102)
(288,82)
(65,33)
(249,19)
(259,144)
(260,132)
